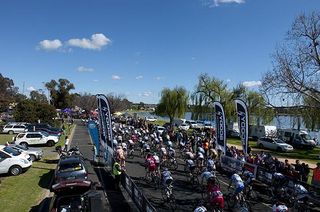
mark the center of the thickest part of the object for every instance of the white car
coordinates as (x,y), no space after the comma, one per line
(35,138)
(13,161)
(274,144)
(151,118)
(192,124)
(13,128)
(184,127)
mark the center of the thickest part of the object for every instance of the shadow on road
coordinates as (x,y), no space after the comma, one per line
(116,199)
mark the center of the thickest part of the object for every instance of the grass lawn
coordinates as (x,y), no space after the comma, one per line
(24,192)
(311,156)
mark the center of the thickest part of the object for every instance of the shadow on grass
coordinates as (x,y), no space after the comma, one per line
(46,179)
(42,207)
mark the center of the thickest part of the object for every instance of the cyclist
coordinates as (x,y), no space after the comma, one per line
(163,153)
(171,152)
(156,160)
(200,209)
(200,159)
(237,183)
(248,177)
(145,148)
(166,178)
(211,165)
(150,164)
(190,166)
(279,207)
(205,176)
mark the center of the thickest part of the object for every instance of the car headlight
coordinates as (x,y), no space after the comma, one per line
(24,161)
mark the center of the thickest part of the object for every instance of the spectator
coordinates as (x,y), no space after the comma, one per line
(305,172)
(316,176)
(116,171)
(298,168)
(66,143)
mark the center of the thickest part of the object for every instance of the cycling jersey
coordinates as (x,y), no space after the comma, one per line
(151,164)
(166,178)
(201,150)
(279,208)
(156,159)
(237,182)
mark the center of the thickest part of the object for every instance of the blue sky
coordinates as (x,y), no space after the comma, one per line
(138,47)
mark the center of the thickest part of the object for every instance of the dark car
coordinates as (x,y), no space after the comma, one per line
(71,168)
(44,127)
(76,195)
(233,134)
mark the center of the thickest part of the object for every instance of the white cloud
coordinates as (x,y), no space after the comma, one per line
(251,83)
(146,94)
(139,77)
(31,88)
(96,42)
(84,69)
(116,77)
(216,3)
(50,44)
(158,78)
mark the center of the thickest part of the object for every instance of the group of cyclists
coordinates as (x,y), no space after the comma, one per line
(200,156)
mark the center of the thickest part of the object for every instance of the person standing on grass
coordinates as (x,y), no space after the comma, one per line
(66,143)
(316,176)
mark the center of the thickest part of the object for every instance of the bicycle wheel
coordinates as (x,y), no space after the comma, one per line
(172,202)
(156,180)
(252,195)
(174,164)
(231,200)
(164,194)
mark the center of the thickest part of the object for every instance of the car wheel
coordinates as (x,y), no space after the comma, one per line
(15,170)
(260,146)
(24,144)
(10,132)
(33,158)
(50,143)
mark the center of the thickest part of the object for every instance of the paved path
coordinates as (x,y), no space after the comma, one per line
(115,200)
(186,195)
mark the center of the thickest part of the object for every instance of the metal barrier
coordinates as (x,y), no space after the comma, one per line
(136,195)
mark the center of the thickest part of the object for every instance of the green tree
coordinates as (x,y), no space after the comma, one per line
(38,97)
(173,103)
(60,93)
(31,111)
(8,92)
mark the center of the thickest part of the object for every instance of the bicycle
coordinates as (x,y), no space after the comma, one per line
(171,163)
(130,153)
(192,178)
(237,200)
(153,177)
(168,196)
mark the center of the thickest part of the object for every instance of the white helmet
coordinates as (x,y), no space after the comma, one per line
(200,209)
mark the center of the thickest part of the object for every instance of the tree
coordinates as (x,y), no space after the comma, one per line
(31,111)
(85,101)
(38,97)
(118,102)
(210,89)
(60,93)
(173,103)
(8,92)
(296,67)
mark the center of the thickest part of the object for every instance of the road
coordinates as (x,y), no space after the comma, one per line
(186,196)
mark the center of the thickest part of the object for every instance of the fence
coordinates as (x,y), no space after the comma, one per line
(136,195)
(262,174)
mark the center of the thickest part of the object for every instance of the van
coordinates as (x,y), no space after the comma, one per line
(255,132)
(297,138)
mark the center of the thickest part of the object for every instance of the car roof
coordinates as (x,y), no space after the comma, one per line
(70,159)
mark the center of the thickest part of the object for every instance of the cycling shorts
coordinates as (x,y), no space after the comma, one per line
(239,188)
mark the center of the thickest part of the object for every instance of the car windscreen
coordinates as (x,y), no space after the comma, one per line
(45,133)
(69,167)
(306,137)
(22,147)
(279,141)
(11,151)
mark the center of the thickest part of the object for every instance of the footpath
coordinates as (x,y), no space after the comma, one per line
(114,200)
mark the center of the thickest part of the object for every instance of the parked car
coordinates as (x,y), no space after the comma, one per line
(76,195)
(151,118)
(13,128)
(233,134)
(13,161)
(70,168)
(274,144)
(35,138)
(192,124)
(34,153)
(44,127)
(184,127)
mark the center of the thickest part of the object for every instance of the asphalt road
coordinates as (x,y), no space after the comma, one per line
(187,196)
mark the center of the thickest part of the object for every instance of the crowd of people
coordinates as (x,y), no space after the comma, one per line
(198,148)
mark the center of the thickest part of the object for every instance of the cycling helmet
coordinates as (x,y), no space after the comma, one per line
(146,138)
(200,209)
(279,208)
